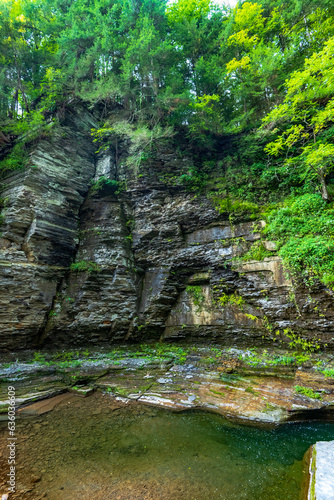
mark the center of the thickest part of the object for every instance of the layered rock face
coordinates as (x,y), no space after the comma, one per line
(152,261)
(39,233)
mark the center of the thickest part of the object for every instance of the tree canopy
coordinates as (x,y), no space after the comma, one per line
(205,68)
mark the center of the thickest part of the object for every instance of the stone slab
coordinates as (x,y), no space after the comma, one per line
(322,471)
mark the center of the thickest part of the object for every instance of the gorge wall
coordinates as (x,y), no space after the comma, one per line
(153,261)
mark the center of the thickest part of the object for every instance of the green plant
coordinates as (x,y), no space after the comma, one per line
(180,360)
(328,372)
(17,159)
(252,391)
(269,407)
(104,183)
(122,392)
(197,296)
(38,357)
(301,357)
(236,206)
(233,299)
(307,391)
(85,266)
(252,317)
(301,343)
(208,361)
(257,252)
(303,228)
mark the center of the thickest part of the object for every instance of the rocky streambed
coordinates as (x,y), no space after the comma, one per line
(103,417)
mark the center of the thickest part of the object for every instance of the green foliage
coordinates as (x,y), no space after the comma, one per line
(300,343)
(85,266)
(265,359)
(304,230)
(197,296)
(205,116)
(328,372)
(103,183)
(38,357)
(233,299)
(307,391)
(17,159)
(141,139)
(236,206)
(257,252)
(307,110)
(187,10)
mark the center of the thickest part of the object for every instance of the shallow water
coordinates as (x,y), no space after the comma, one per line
(90,448)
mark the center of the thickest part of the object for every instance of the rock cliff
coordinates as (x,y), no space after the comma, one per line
(151,260)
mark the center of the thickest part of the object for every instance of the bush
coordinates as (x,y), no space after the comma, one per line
(304,229)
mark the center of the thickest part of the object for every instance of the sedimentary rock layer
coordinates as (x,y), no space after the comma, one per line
(151,259)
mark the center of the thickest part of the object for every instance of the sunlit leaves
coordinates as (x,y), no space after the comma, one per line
(238,65)
(308,107)
(187,10)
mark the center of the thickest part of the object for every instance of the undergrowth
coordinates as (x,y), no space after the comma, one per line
(304,230)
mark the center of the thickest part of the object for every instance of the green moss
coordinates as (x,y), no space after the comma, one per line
(222,394)
(236,206)
(252,391)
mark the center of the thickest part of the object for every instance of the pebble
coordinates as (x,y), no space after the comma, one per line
(35,479)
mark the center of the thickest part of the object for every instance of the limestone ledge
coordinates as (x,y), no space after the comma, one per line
(226,385)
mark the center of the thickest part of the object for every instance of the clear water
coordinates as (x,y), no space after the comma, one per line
(86,448)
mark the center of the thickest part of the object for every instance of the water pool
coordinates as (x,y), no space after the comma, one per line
(95,448)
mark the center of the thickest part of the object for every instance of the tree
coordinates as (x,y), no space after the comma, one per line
(305,120)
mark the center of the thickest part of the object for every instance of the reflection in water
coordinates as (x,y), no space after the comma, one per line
(102,449)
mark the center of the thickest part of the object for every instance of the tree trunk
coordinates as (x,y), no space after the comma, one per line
(323,188)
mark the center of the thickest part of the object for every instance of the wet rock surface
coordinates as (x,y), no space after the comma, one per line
(255,386)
